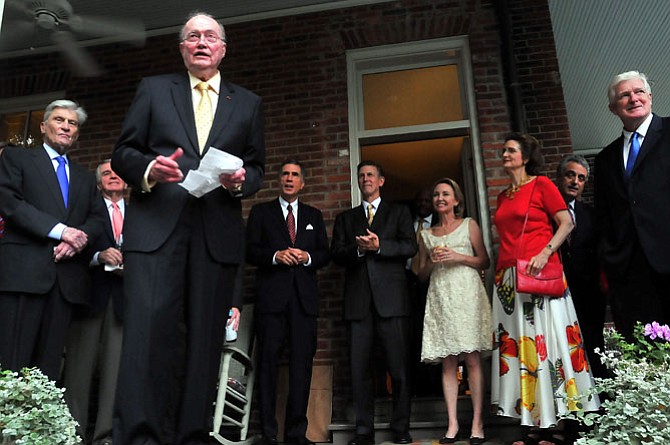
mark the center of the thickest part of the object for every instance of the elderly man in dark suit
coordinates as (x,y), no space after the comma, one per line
(51,211)
(632,199)
(580,259)
(96,333)
(373,242)
(287,241)
(181,253)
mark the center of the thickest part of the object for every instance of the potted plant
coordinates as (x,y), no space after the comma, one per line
(637,409)
(33,411)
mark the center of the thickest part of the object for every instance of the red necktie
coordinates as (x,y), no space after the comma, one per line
(117,222)
(290,223)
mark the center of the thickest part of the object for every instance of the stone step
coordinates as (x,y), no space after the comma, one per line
(428,423)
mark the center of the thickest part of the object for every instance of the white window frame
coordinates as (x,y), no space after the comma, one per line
(420,54)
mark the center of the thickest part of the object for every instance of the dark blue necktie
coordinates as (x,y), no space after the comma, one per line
(62,177)
(632,154)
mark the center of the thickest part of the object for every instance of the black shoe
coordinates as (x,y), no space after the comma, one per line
(268,440)
(360,439)
(447,440)
(298,441)
(477,440)
(402,438)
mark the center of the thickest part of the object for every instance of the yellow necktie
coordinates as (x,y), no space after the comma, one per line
(203,115)
(371,214)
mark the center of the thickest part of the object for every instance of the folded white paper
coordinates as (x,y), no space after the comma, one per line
(206,177)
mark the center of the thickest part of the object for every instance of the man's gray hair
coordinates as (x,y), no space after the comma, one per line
(578,159)
(69,105)
(182,31)
(98,169)
(628,75)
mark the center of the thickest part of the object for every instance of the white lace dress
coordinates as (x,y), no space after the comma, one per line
(458,312)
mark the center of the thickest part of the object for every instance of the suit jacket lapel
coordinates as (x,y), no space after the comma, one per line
(76,183)
(380,213)
(618,159)
(301,222)
(109,231)
(224,111)
(182,98)
(44,165)
(650,141)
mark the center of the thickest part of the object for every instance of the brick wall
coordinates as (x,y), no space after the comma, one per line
(298,66)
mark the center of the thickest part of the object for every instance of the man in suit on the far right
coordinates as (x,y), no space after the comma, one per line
(579,255)
(632,198)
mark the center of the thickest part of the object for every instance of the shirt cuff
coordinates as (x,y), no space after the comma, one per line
(57,231)
(148,184)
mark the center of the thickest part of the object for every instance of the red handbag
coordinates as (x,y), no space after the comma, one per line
(549,282)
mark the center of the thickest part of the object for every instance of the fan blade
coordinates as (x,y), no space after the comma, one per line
(17,34)
(127,30)
(21,6)
(80,61)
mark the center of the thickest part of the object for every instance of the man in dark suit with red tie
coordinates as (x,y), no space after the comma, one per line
(580,258)
(51,210)
(373,242)
(632,199)
(287,241)
(181,252)
(96,333)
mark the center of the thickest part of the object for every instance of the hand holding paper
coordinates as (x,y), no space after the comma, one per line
(206,177)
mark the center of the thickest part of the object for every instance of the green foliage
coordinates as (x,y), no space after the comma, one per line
(637,410)
(33,411)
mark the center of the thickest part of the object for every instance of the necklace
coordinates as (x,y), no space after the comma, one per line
(512,189)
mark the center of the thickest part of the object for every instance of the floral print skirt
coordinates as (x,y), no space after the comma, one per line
(540,368)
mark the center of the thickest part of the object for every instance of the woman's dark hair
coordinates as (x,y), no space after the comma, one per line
(531,151)
(459,210)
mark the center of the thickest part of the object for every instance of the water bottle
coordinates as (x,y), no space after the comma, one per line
(231,334)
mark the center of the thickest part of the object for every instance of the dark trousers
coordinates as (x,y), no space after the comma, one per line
(177,302)
(642,294)
(392,333)
(93,343)
(32,331)
(297,330)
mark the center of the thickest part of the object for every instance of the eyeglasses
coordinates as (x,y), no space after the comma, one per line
(210,37)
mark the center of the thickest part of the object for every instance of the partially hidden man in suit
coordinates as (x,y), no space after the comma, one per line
(181,253)
(632,199)
(96,333)
(51,212)
(373,242)
(580,257)
(423,376)
(287,241)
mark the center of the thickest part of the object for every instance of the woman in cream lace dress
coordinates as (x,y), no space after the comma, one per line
(457,321)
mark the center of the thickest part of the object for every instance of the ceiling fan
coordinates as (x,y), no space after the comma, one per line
(57,18)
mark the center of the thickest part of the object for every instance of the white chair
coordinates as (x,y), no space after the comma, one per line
(236,385)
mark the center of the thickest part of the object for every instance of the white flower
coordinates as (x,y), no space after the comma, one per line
(637,410)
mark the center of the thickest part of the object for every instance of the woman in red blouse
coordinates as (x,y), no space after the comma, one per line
(540,370)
